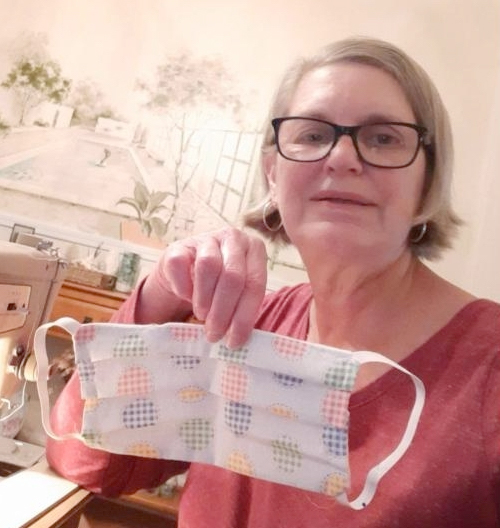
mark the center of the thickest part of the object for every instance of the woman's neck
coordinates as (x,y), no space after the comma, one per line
(355,310)
(393,311)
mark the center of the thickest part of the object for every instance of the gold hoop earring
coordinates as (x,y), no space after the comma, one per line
(266,213)
(421,233)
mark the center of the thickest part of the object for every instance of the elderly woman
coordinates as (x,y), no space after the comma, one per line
(357,160)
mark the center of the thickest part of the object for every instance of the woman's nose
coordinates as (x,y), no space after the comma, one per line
(344,155)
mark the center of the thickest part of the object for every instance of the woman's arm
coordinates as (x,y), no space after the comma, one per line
(97,470)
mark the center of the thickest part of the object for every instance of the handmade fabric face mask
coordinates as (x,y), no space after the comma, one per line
(275,409)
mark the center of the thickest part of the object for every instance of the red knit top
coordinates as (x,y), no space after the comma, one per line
(449,477)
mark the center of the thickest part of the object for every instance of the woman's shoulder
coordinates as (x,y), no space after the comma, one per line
(479,315)
(456,315)
(474,330)
(482,318)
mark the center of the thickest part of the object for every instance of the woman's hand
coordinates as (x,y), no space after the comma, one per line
(220,277)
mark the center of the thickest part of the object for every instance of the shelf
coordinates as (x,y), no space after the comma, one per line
(158,503)
(86,304)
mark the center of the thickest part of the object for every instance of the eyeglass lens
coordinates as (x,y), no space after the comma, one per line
(385,145)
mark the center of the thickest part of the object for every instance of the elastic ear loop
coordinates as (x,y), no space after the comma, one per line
(377,472)
(39,342)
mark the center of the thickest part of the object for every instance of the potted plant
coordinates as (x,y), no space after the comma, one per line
(147,204)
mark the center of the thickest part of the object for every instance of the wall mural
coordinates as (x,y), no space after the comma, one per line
(70,144)
(181,162)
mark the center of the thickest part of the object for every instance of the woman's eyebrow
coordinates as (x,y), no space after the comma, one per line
(369,119)
(310,115)
(377,117)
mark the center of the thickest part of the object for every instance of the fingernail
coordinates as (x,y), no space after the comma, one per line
(231,342)
(199,313)
(213,337)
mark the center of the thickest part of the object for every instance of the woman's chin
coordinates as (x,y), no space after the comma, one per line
(327,234)
(346,243)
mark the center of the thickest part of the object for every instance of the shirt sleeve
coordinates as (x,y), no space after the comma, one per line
(126,312)
(491,421)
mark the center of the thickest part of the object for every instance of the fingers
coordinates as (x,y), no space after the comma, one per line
(176,265)
(221,275)
(205,274)
(247,308)
(231,282)
(167,291)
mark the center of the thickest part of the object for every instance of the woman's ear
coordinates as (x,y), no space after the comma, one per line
(269,169)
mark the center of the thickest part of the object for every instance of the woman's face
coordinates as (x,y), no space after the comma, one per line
(340,202)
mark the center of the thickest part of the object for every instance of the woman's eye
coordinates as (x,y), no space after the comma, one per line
(311,137)
(385,139)
(381,138)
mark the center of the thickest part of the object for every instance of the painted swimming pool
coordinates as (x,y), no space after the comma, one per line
(81,171)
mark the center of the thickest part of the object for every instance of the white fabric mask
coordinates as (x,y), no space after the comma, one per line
(275,409)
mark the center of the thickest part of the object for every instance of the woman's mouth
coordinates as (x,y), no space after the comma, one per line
(342,198)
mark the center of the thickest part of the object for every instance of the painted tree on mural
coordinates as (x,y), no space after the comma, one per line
(34,82)
(89,103)
(34,77)
(188,91)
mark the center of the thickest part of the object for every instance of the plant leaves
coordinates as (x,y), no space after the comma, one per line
(157,197)
(141,195)
(152,210)
(132,203)
(146,204)
(158,225)
(146,227)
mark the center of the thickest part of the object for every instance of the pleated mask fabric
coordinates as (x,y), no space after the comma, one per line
(275,409)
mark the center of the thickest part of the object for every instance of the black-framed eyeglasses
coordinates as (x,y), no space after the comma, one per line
(391,145)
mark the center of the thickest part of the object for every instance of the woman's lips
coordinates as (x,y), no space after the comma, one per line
(342,198)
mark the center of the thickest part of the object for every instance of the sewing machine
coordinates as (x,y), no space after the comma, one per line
(30,277)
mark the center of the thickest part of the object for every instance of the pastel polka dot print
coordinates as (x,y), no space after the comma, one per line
(130,346)
(177,396)
(240,462)
(143,449)
(234,382)
(135,380)
(139,414)
(275,409)
(287,454)
(197,433)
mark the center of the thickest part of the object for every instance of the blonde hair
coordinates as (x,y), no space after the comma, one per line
(435,207)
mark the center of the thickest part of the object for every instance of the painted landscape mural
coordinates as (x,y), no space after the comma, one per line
(171,153)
